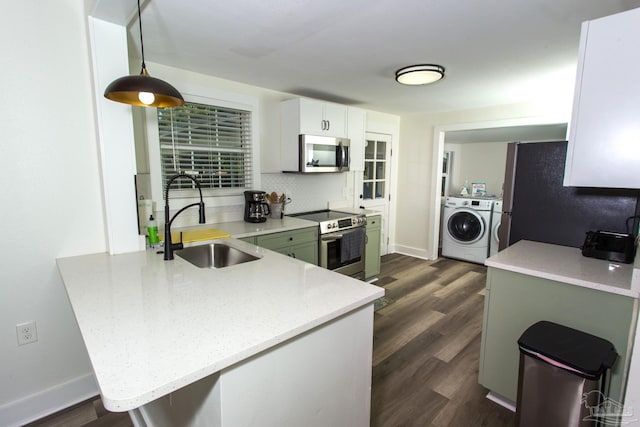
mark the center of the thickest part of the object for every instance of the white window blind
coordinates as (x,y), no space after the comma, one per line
(210,143)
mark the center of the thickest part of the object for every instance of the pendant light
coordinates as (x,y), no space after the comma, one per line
(143,90)
(420,74)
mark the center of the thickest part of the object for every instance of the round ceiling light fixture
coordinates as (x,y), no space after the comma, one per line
(422,74)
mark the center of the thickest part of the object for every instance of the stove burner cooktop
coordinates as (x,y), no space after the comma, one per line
(320,216)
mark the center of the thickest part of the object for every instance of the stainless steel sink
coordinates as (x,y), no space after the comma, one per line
(215,255)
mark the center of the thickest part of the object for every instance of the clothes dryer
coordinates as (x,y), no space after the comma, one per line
(466,228)
(496,215)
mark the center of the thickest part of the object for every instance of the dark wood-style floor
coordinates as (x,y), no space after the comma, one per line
(425,357)
(427,346)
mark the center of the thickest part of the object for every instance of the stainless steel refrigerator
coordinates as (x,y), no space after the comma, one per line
(536,206)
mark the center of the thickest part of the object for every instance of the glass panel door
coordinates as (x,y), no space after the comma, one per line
(376,180)
(375,170)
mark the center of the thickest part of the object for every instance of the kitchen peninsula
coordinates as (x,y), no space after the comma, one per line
(275,341)
(532,281)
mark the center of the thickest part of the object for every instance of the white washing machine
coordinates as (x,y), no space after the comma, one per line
(496,216)
(466,228)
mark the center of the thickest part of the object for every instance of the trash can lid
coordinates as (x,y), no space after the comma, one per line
(584,354)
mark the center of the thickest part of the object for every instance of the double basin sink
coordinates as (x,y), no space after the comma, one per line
(215,255)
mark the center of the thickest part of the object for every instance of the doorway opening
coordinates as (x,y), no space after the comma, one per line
(527,129)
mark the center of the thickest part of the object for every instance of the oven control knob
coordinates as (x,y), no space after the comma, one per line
(329,226)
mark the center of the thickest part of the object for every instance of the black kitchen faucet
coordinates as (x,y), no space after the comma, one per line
(169,246)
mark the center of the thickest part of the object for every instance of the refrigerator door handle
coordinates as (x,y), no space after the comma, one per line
(504,230)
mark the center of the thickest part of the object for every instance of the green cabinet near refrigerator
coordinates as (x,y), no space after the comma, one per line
(372,246)
(515,301)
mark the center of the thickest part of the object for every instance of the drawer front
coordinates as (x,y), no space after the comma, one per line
(374,222)
(288,238)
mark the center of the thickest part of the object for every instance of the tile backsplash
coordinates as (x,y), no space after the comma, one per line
(308,192)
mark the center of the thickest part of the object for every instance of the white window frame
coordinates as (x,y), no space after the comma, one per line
(213,198)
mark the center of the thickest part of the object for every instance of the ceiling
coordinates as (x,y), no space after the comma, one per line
(495,52)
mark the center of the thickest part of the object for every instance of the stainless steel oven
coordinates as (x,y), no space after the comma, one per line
(341,243)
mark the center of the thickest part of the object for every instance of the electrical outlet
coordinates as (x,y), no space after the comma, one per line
(27,332)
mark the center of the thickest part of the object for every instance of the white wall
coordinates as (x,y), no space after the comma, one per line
(306,192)
(477,162)
(415,208)
(52,203)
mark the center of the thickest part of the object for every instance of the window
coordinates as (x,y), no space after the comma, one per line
(210,143)
(375,169)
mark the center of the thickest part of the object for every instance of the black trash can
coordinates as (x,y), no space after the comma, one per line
(562,376)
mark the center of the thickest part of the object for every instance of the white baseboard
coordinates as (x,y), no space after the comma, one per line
(502,401)
(47,402)
(414,252)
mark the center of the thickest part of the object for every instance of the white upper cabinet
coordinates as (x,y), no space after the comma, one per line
(604,133)
(313,117)
(356,135)
(310,117)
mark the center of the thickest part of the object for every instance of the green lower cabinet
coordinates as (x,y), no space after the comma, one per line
(251,240)
(514,301)
(372,247)
(307,252)
(299,244)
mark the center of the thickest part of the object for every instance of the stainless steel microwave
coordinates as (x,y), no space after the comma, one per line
(323,154)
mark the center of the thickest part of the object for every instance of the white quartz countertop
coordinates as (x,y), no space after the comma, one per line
(239,229)
(359,211)
(152,326)
(567,265)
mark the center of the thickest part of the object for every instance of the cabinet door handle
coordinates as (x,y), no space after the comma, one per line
(293,255)
(328,124)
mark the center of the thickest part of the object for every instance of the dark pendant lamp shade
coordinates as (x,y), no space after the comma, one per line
(143,90)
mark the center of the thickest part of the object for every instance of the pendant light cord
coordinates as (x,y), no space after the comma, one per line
(144,66)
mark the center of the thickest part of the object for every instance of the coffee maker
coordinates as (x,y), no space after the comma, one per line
(256,208)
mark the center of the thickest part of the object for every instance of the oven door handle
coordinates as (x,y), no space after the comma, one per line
(331,237)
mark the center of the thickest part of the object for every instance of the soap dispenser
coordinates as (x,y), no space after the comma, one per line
(464,191)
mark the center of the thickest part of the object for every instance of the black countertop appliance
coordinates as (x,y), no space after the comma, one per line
(256,208)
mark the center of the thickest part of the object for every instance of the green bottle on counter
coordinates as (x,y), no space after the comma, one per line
(152,232)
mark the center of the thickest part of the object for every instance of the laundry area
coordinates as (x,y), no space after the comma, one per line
(472,187)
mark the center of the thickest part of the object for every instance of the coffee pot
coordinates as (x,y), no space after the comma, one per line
(256,208)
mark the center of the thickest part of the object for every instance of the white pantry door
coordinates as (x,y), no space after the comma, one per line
(376,180)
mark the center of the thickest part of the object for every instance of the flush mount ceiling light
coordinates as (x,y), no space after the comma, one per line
(143,90)
(420,74)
